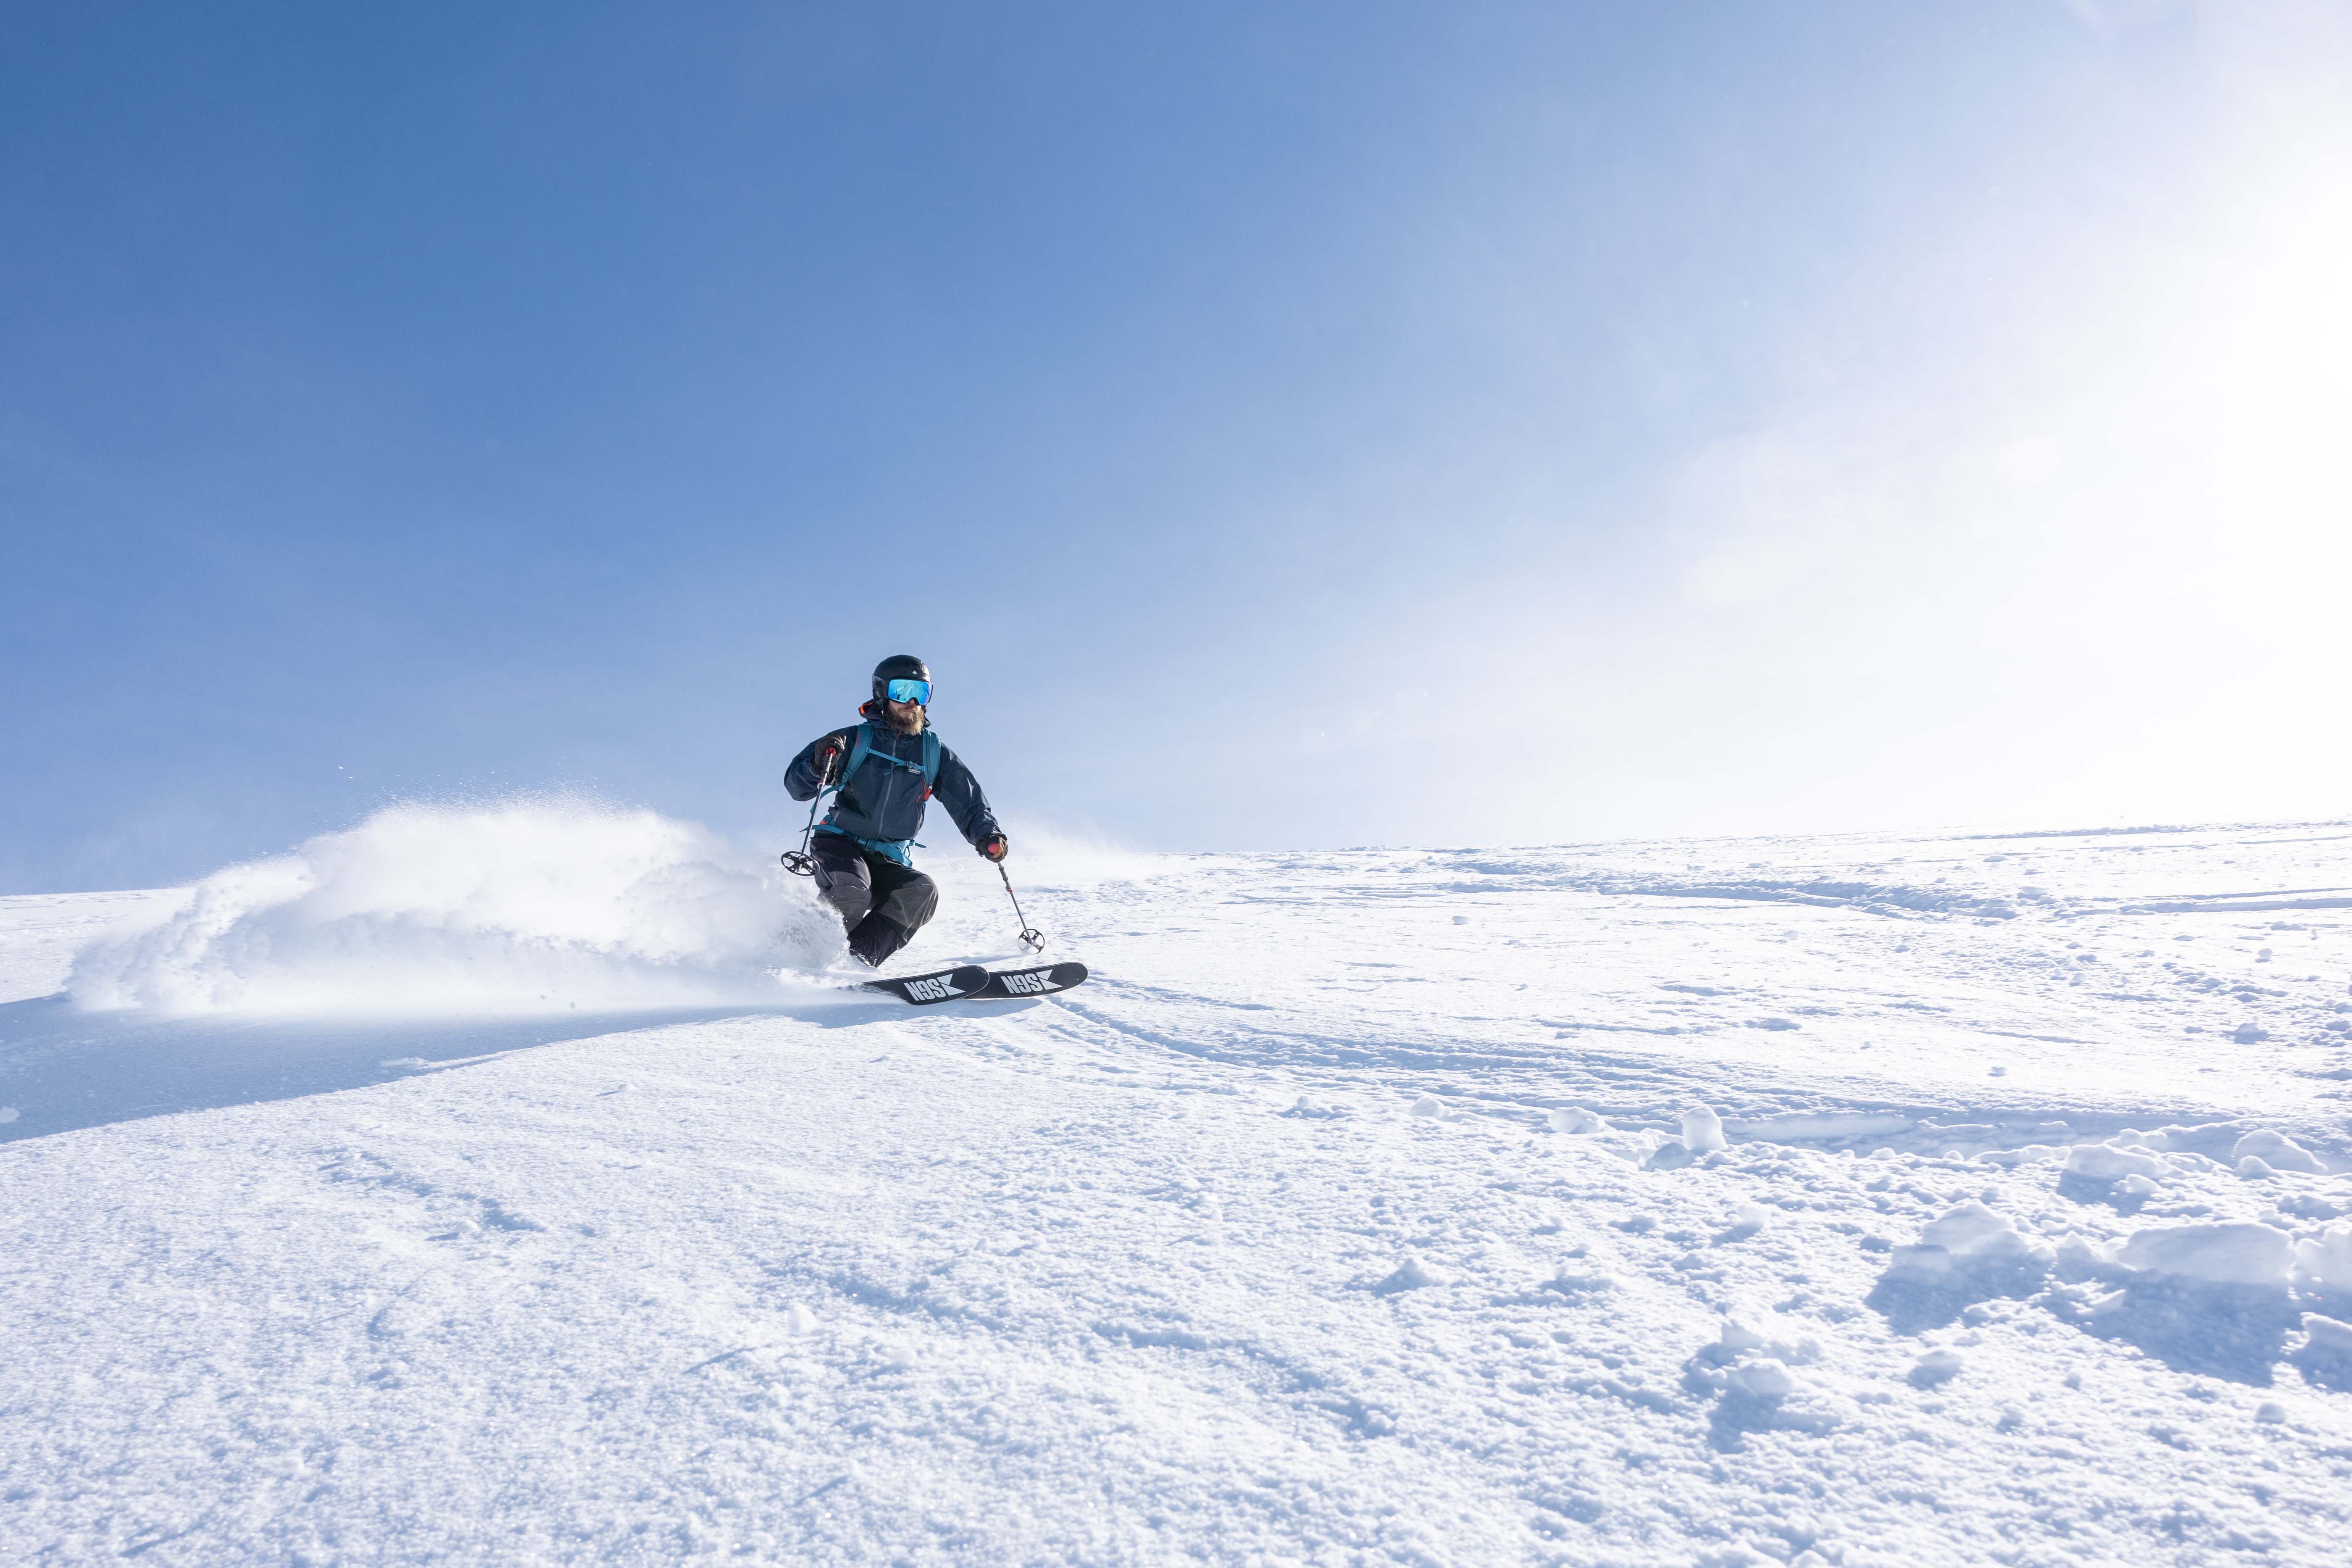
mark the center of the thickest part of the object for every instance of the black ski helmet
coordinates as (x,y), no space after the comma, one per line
(897,666)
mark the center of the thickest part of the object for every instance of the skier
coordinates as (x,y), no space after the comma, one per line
(888,768)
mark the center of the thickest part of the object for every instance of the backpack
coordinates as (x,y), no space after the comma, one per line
(865,748)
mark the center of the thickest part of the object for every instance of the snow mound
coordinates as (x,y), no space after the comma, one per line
(1411,1274)
(1967,1237)
(2277,1151)
(2324,1261)
(2217,1254)
(1703,1131)
(1969,1254)
(2211,1299)
(2109,1163)
(523,905)
(1765,1379)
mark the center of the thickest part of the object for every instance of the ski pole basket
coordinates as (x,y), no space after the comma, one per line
(800,862)
(1031,938)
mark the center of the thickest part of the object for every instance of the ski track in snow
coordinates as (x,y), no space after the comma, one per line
(1365,1207)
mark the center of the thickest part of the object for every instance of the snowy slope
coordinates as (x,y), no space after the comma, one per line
(1368,1206)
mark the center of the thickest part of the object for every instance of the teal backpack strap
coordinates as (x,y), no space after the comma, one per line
(857,752)
(864,746)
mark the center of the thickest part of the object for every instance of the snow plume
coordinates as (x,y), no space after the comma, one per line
(517,905)
(1065,852)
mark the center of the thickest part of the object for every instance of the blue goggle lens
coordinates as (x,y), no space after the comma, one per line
(910,691)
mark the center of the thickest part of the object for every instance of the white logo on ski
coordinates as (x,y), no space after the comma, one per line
(932,990)
(1029,985)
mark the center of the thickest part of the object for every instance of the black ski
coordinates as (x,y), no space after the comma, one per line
(939,985)
(1010,984)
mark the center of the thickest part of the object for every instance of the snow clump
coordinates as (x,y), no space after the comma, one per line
(2323,1263)
(2214,1254)
(1765,1379)
(1969,1238)
(2108,1162)
(2325,1357)
(1413,1274)
(1703,1131)
(2277,1151)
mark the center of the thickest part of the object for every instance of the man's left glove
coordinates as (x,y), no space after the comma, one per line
(992,847)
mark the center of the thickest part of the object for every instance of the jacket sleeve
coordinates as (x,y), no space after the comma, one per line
(800,779)
(959,792)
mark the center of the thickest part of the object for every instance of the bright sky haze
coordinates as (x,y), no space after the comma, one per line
(1279,425)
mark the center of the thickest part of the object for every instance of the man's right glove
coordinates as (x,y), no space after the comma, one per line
(827,758)
(994,847)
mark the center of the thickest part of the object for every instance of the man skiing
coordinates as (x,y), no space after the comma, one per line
(888,768)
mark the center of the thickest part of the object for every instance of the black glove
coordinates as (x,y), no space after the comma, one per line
(827,758)
(992,847)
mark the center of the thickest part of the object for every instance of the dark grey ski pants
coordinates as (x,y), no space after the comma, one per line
(883,903)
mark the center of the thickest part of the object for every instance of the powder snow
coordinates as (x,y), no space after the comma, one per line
(521,1183)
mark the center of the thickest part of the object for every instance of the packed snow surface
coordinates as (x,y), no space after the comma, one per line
(519,1185)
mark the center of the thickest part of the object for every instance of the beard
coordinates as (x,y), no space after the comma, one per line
(912,724)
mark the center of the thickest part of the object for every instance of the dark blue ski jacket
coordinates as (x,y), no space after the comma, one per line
(885,802)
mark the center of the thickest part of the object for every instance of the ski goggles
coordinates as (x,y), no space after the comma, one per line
(910,691)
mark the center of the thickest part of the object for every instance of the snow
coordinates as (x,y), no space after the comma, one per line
(2225,1254)
(1969,1237)
(1702,1131)
(2107,1161)
(504,907)
(2276,1150)
(464,1188)
(2324,1261)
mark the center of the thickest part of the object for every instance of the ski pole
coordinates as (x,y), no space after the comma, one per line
(797,862)
(1035,940)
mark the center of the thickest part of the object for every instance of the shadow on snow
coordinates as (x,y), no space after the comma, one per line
(63,1068)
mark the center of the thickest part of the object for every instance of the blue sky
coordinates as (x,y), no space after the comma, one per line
(1277,425)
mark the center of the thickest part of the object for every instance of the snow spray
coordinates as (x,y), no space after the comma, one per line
(526,905)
